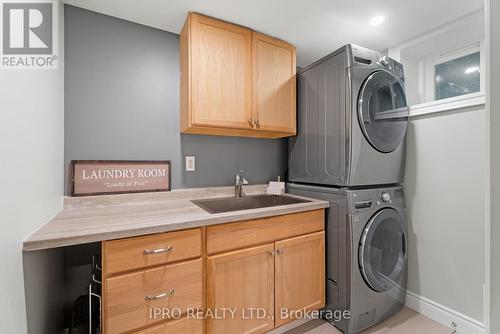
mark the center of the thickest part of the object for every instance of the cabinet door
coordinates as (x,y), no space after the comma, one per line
(273,103)
(241,281)
(220,73)
(181,326)
(300,275)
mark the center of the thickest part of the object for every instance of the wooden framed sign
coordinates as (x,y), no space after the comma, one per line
(100,177)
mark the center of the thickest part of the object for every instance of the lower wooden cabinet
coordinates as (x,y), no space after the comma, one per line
(243,277)
(300,276)
(287,276)
(240,283)
(181,326)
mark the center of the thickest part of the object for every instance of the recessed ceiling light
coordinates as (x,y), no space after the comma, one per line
(471,70)
(377,20)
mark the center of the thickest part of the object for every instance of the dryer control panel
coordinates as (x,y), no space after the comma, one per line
(368,58)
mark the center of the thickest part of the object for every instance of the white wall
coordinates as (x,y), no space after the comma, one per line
(411,69)
(445,189)
(31,166)
(494,107)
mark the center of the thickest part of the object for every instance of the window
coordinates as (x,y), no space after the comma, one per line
(452,74)
(458,76)
(444,64)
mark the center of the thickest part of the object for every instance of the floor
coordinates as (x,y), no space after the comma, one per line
(405,321)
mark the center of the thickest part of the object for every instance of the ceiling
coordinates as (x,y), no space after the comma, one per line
(315,27)
(464,34)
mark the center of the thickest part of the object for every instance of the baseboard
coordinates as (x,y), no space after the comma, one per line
(444,315)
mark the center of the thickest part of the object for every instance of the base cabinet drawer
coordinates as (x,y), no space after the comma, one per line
(130,300)
(232,236)
(152,250)
(181,326)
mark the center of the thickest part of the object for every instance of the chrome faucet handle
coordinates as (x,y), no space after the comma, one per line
(240,181)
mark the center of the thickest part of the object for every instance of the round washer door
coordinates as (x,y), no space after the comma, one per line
(383,111)
(382,250)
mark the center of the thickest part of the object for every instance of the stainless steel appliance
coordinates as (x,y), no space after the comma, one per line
(352,120)
(366,252)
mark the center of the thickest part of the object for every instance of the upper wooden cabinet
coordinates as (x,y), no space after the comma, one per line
(234,81)
(273,91)
(219,73)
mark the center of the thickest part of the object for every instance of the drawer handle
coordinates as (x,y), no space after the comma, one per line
(158,251)
(160,296)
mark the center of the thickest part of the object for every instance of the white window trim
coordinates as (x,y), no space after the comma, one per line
(462,102)
(427,85)
(427,68)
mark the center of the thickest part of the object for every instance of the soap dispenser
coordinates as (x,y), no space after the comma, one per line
(276,187)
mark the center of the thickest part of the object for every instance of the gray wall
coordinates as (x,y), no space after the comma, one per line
(44,290)
(54,279)
(122,102)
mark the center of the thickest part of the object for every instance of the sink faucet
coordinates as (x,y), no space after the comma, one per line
(238,187)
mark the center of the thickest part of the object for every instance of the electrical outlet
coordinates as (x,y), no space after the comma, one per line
(190,164)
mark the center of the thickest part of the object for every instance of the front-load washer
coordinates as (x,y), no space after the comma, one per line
(366,253)
(352,119)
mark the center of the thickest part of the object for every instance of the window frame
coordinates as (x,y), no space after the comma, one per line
(427,71)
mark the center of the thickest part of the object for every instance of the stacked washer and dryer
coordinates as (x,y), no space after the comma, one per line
(350,150)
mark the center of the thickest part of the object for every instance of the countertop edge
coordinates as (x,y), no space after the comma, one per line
(163,227)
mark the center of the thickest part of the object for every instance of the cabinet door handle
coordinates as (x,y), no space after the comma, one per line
(250,122)
(279,251)
(160,296)
(257,123)
(158,251)
(271,253)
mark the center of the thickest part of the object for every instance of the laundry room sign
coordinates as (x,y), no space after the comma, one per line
(99,177)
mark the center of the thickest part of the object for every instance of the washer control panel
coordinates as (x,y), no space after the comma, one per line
(365,200)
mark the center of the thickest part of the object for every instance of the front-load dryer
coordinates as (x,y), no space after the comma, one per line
(352,119)
(366,253)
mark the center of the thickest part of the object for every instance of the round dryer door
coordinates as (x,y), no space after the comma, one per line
(383,111)
(382,250)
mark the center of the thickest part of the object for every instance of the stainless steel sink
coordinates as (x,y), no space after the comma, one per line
(228,204)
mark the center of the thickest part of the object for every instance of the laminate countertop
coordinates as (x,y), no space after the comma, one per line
(98,218)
